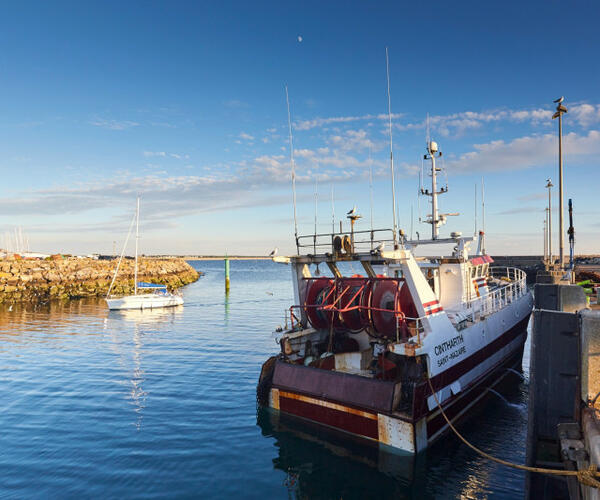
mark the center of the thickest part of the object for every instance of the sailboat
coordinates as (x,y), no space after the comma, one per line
(158,295)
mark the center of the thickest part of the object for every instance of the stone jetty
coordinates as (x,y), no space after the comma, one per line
(67,278)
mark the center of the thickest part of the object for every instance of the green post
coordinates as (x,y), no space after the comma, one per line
(226,275)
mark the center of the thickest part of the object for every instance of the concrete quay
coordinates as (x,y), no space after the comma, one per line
(564,388)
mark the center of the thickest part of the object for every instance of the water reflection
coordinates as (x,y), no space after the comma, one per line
(141,316)
(142,320)
(322,463)
(226,317)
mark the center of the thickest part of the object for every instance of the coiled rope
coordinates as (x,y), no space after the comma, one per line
(588,477)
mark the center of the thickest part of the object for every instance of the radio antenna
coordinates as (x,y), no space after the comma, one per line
(475,209)
(387,65)
(371,187)
(482,217)
(292,164)
(332,212)
(316,203)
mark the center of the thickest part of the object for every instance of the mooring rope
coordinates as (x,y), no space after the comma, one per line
(588,476)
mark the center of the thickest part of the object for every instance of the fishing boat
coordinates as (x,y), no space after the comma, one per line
(146,295)
(380,353)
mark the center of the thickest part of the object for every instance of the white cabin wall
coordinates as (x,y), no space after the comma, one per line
(452,293)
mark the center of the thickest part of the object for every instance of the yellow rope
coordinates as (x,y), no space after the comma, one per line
(588,476)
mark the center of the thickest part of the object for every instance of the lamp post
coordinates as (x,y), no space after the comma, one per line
(560,109)
(546,237)
(549,185)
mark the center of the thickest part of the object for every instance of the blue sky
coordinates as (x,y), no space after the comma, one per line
(184,103)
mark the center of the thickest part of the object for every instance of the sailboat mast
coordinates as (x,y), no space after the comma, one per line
(137,238)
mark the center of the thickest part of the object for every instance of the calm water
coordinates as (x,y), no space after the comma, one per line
(162,404)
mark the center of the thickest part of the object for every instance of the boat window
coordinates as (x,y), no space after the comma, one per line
(485,270)
(473,271)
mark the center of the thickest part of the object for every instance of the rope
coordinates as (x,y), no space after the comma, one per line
(588,477)
(120,259)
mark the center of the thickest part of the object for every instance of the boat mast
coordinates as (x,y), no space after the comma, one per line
(292,164)
(137,238)
(435,220)
(387,65)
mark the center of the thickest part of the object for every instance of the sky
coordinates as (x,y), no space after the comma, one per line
(183,104)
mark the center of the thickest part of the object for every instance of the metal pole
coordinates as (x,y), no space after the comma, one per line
(226,275)
(137,237)
(560,194)
(560,109)
(434,207)
(549,185)
(546,236)
(387,65)
(292,164)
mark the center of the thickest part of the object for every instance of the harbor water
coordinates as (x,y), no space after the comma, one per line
(162,403)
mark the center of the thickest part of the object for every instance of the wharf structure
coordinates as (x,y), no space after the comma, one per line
(564,407)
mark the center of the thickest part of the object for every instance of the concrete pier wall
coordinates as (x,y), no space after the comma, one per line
(40,280)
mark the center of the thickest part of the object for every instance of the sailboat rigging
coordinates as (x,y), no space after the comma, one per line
(160,296)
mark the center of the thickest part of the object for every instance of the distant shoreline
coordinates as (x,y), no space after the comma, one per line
(215,257)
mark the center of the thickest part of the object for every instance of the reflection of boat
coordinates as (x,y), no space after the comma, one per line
(364,351)
(159,296)
(330,464)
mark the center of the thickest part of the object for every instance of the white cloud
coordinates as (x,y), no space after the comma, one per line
(246,137)
(524,152)
(320,122)
(114,124)
(352,140)
(585,114)
(164,154)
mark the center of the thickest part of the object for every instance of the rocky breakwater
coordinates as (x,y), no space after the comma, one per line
(67,278)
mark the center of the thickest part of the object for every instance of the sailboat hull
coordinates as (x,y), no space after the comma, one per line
(144,301)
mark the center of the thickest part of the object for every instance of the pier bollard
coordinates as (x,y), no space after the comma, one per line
(226,275)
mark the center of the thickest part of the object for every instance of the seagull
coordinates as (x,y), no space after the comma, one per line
(378,249)
(559,100)
(274,252)
(353,211)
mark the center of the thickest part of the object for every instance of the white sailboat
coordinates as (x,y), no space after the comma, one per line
(157,296)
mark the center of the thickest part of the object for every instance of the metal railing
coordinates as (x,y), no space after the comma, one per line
(513,286)
(359,240)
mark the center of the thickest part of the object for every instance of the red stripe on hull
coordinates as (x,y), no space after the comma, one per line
(334,418)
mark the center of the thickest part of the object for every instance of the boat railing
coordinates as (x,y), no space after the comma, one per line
(513,285)
(347,241)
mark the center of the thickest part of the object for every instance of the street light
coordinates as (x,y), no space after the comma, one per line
(560,109)
(549,185)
